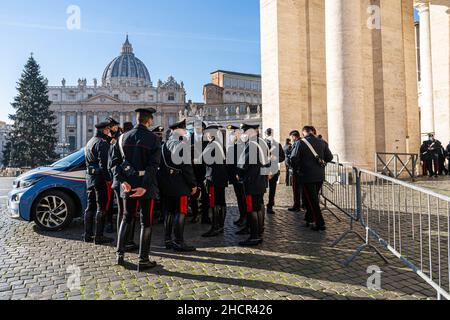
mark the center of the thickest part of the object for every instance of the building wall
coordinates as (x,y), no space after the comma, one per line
(79,108)
(440,43)
(294,64)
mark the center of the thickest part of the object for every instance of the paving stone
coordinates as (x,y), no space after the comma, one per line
(293,264)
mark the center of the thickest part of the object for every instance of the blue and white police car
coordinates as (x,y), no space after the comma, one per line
(51,196)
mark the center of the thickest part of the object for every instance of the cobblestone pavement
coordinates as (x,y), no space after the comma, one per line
(293,264)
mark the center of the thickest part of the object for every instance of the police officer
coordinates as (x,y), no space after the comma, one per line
(159,132)
(433,148)
(177,183)
(234,153)
(216,179)
(97,178)
(277,156)
(137,156)
(115,132)
(200,200)
(310,157)
(130,245)
(255,180)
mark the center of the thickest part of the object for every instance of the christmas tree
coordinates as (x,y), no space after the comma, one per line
(33,136)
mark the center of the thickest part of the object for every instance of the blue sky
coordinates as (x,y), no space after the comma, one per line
(184,38)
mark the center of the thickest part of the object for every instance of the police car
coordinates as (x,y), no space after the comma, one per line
(51,196)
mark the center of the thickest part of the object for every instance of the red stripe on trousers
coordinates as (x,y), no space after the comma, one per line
(212,197)
(184,205)
(109,194)
(152,206)
(249,203)
(138,207)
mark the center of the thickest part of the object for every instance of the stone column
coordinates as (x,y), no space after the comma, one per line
(427,108)
(95,121)
(440,44)
(63,128)
(85,129)
(122,121)
(345,86)
(79,135)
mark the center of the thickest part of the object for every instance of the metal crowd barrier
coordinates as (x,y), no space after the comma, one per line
(409,221)
(339,191)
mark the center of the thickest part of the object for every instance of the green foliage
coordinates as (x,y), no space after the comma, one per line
(33,136)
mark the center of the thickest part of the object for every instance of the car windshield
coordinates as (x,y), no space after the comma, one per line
(68,161)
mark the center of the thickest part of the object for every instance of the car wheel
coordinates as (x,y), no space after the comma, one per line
(53,210)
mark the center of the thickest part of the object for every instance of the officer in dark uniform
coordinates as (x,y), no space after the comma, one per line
(199,202)
(234,153)
(311,173)
(432,154)
(130,245)
(159,207)
(159,132)
(277,156)
(216,179)
(115,132)
(97,178)
(137,156)
(177,184)
(255,159)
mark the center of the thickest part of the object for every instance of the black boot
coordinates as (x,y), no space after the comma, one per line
(144,251)
(222,217)
(213,232)
(121,241)
(261,223)
(88,236)
(168,228)
(254,239)
(130,245)
(99,229)
(179,244)
(245,227)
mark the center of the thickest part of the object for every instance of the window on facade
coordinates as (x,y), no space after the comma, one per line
(116,96)
(152,98)
(90,96)
(72,143)
(171,96)
(172,120)
(55,97)
(72,120)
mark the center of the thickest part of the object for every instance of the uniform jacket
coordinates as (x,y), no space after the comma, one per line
(111,165)
(234,153)
(96,152)
(142,150)
(251,173)
(216,173)
(287,151)
(181,183)
(305,165)
(430,149)
(277,154)
(198,166)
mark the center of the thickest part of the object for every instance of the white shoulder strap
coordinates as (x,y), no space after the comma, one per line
(120,142)
(310,148)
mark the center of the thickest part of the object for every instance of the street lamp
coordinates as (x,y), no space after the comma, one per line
(63,146)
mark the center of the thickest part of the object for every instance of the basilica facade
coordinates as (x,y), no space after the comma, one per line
(125,86)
